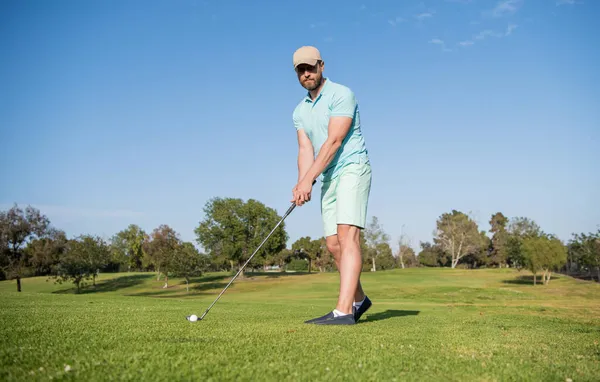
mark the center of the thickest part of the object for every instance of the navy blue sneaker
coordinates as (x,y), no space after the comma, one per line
(325,317)
(363,308)
(347,319)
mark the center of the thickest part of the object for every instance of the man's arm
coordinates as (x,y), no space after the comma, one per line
(338,129)
(306,154)
(342,115)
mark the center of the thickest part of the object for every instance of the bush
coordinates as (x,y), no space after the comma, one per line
(298,265)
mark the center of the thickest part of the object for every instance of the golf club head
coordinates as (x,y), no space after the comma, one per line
(190,319)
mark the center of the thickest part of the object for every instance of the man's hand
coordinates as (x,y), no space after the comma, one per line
(302,192)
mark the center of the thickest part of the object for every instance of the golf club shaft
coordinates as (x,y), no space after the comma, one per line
(257,249)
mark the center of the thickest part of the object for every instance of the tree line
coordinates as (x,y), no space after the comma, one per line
(233,228)
(31,246)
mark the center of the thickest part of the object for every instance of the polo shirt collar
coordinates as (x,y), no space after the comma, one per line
(323,91)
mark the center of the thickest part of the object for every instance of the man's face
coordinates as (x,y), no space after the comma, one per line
(310,77)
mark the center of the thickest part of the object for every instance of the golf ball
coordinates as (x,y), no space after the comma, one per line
(193,318)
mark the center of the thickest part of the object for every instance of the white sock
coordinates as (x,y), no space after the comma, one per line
(337,313)
(358,304)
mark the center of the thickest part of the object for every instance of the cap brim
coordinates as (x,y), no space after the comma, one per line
(311,62)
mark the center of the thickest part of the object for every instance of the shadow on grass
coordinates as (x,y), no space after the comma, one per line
(586,276)
(176,291)
(527,280)
(111,285)
(274,275)
(208,286)
(390,313)
(205,279)
(158,293)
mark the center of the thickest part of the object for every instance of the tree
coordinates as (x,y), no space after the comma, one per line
(187,262)
(532,252)
(308,249)
(17,228)
(44,253)
(555,256)
(432,255)
(479,255)
(585,250)
(374,236)
(161,248)
(232,229)
(545,253)
(385,258)
(407,257)
(259,220)
(325,260)
(575,255)
(95,252)
(128,246)
(457,235)
(280,258)
(402,246)
(83,257)
(72,266)
(524,227)
(519,229)
(499,243)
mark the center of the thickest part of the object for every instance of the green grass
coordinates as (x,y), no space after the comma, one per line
(425,324)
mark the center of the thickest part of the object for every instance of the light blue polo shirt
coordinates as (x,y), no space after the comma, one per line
(313,116)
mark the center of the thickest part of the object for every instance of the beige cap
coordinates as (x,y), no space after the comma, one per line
(306,55)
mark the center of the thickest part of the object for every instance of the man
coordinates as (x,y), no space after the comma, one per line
(331,145)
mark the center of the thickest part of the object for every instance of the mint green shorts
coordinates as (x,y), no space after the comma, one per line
(344,199)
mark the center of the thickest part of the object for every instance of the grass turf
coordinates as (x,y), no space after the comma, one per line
(425,324)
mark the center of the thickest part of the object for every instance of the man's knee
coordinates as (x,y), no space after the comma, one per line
(333,245)
(348,236)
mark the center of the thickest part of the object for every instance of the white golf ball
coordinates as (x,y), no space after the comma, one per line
(193,318)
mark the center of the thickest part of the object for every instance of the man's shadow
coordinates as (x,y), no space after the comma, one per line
(390,314)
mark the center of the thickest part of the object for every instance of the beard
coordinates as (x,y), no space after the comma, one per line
(312,85)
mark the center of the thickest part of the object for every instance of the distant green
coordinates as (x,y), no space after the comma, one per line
(425,324)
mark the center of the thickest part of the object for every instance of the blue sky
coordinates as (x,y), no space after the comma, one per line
(119,112)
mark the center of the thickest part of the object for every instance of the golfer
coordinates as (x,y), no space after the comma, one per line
(331,146)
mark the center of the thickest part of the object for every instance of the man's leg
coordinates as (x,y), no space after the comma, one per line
(352,196)
(350,266)
(328,214)
(343,208)
(333,245)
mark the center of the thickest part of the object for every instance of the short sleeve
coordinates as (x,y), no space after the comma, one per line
(297,123)
(343,103)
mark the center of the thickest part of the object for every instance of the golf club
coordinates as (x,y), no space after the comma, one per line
(193,318)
